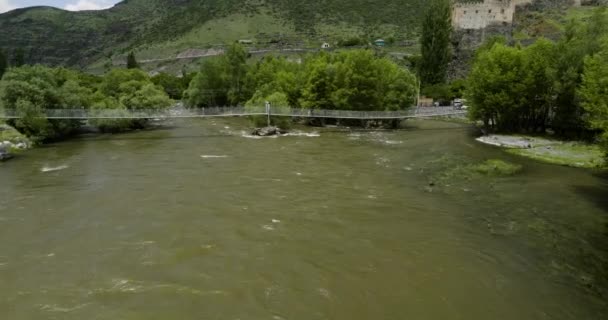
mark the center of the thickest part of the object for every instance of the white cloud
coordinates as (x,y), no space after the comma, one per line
(5,5)
(87,5)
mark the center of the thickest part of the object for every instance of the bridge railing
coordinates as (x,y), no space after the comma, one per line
(342,114)
(232,111)
(137,113)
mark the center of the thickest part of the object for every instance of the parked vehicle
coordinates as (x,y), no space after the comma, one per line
(459,104)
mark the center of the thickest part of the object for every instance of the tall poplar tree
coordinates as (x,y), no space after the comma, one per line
(19,58)
(131,61)
(436,32)
(3,63)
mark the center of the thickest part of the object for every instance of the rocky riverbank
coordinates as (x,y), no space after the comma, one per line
(568,153)
(11,142)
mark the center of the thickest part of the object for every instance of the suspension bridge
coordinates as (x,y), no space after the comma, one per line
(176,113)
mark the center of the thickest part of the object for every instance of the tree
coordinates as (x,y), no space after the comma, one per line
(3,63)
(319,83)
(221,81)
(539,85)
(133,89)
(19,58)
(435,41)
(172,85)
(579,41)
(111,83)
(458,88)
(276,74)
(494,87)
(235,63)
(412,62)
(32,90)
(513,88)
(278,101)
(125,90)
(438,92)
(594,94)
(356,80)
(490,42)
(209,87)
(132,61)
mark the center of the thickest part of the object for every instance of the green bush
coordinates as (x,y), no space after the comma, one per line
(351,42)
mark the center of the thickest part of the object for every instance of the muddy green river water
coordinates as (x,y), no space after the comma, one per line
(197,220)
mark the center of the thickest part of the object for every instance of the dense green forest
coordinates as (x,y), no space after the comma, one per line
(548,85)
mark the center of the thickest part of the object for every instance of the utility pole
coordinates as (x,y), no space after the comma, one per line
(418,95)
(268,112)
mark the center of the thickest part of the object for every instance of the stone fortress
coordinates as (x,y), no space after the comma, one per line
(483,13)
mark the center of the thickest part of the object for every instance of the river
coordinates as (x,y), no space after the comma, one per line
(197,220)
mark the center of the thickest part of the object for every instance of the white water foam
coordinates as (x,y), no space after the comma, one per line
(51,169)
(209,156)
(60,309)
(390,142)
(250,136)
(290,134)
(302,134)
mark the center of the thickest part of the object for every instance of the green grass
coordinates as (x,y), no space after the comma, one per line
(579,13)
(161,28)
(11,135)
(551,150)
(496,167)
(573,154)
(549,23)
(457,171)
(221,31)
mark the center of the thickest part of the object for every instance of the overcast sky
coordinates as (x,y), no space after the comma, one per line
(73,5)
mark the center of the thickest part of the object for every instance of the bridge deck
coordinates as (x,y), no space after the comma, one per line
(85,114)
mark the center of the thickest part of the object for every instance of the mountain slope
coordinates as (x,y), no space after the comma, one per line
(58,37)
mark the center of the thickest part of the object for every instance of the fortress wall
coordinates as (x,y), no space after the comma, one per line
(480,14)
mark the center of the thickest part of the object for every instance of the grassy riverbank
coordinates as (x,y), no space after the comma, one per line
(13,137)
(546,149)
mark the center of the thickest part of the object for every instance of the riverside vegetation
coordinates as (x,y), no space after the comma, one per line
(557,86)
(353,80)
(30,90)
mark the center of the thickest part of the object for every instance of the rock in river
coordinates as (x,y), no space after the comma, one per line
(267,131)
(4,154)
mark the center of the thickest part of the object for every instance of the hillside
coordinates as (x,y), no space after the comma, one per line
(58,37)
